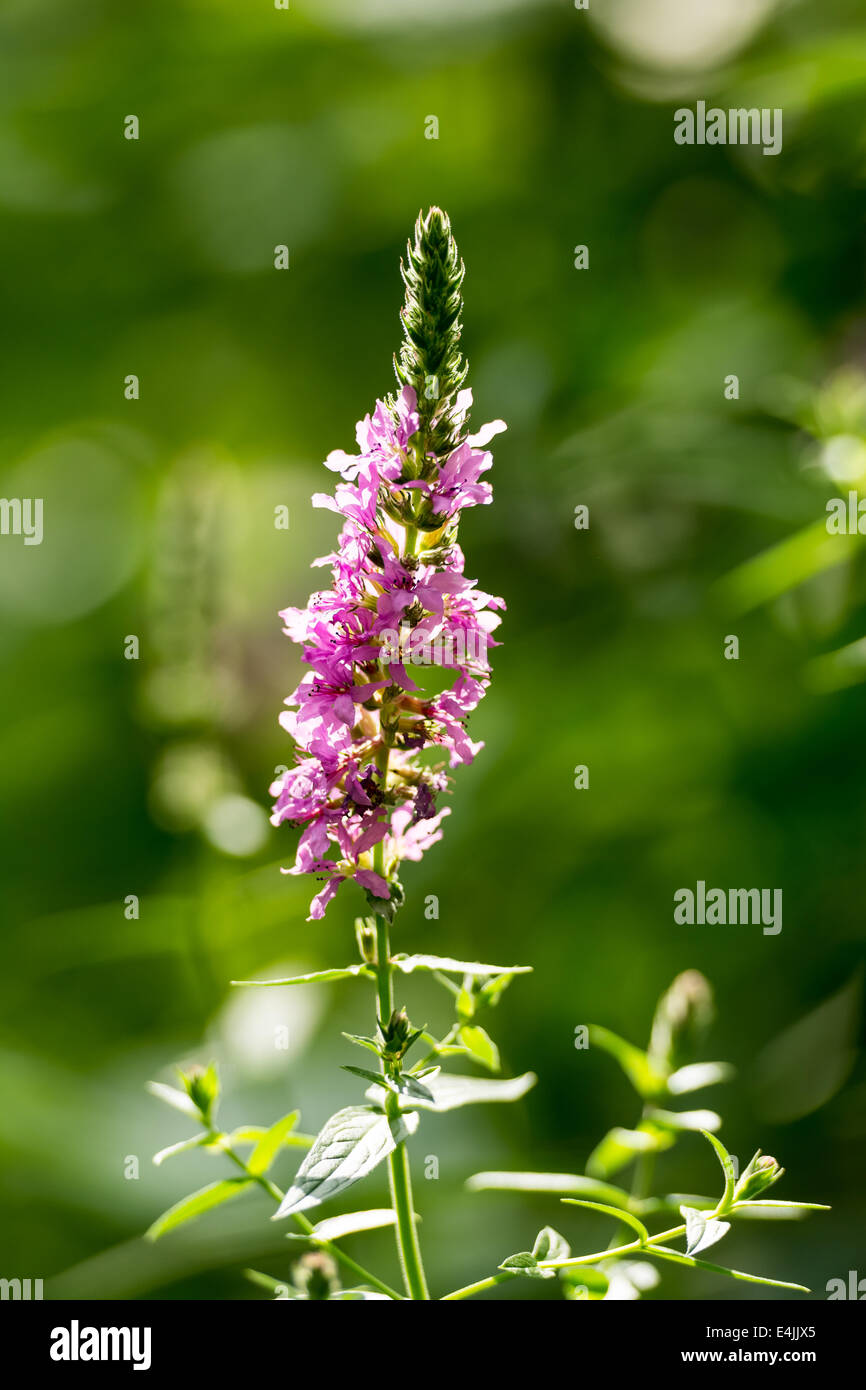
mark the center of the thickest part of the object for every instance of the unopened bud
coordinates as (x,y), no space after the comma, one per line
(398,1034)
(316,1276)
(760,1174)
(202,1086)
(365,935)
(682,1015)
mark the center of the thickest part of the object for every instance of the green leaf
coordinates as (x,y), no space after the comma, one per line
(335,1227)
(702,1231)
(451,1092)
(317,977)
(481,1046)
(771,1210)
(647,1080)
(727,1165)
(568,1183)
(369,1075)
(443,1049)
(198,1203)
(251,1134)
(618,1213)
(675,1257)
(369,1043)
(671,1202)
(489,992)
(270,1143)
(698,1075)
(619,1146)
(466,1002)
(405,1085)
(197,1141)
(695,1120)
(526,1263)
(448,966)
(179,1099)
(350,1145)
(550,1245)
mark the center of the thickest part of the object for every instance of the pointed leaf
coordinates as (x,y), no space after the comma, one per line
(727,1165)
(405,1085)
(526,1263)
(616,1212)
(698,1075)
(350,1145)
(335,1227)
(686,1119)
(550,1245)
(179,1099)
(197,1203)
(317,977)
(769,1210)
(481,1046)
(619,1146)
(268,1146)
(369,1043)
(567,1183)
(367,1075)
(247,1134)
(447,966)
(675,1257)
(451,1092)
(251,1134)
(702,1231)
(646,1079)
(196,1142)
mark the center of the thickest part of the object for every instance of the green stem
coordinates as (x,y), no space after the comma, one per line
(407,1235)
(384,982)
(399,1177)
(482,1286)
(307,1227)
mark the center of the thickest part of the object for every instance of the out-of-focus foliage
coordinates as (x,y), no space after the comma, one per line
(147,778)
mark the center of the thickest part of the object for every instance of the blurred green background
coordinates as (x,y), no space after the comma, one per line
(149,777)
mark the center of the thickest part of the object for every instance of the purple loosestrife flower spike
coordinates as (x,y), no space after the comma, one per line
(359,789)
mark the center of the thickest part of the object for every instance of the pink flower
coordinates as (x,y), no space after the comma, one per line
(391,602)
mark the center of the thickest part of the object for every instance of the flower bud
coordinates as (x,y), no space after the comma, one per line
(365,935)
(398,1034)
(202,1086)
(316,1276)
(760,1174)
(682,1015)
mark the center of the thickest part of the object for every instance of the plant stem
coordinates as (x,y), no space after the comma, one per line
(611,1252)
(482,1286)
(407,1236)
(307,1227)
(384,985)
(399,1177)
